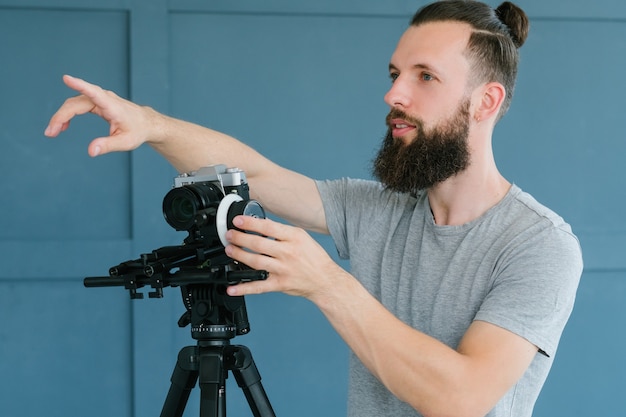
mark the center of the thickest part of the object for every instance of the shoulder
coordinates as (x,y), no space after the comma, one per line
(536,235)
(362,191)
(524,210)
(346,184)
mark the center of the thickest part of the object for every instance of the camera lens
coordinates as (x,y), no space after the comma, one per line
(182,209)
(182,204)
(245,207)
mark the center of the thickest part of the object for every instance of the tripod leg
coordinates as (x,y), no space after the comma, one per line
(183,380)
(249,380)
(212,381)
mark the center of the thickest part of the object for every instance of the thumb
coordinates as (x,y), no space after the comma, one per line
(106,144)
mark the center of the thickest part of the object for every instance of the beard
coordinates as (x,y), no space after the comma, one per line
(432,156)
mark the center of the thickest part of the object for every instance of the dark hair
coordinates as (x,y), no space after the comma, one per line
(493,45)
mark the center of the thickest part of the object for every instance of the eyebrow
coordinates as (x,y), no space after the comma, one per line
(427,67)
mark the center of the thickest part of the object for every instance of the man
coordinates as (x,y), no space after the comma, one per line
(461,283)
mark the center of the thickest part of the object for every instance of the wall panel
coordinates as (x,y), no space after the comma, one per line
(63,351)
(294,87)
(52,191)
(64,216)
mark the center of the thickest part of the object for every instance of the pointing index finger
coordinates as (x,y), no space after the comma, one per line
(73,106)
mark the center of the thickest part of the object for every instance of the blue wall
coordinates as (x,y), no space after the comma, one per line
(302,82)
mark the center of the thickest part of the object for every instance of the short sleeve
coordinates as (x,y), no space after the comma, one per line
(535,287)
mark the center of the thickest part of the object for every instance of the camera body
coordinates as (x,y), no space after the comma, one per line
(229,180)
(204,203)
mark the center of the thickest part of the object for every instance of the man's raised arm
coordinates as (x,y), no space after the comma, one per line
(187,147)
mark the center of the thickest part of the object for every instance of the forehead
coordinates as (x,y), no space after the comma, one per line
(437,45)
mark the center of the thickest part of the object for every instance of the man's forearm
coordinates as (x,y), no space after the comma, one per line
(188,146)
(432,377)
(288,194)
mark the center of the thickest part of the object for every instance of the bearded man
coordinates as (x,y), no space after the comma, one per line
(460,282)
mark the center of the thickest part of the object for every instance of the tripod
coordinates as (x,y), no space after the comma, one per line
(202,272)
(209,364)
(215,319)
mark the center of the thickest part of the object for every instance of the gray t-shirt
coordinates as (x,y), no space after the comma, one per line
(517,266)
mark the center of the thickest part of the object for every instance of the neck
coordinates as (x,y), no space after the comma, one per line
(469,194)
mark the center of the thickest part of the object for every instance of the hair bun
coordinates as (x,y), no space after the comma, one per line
(516,20)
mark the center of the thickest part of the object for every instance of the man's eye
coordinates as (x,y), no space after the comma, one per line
(427,77)
(393,76)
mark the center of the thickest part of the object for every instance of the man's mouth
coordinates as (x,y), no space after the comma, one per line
(400,127)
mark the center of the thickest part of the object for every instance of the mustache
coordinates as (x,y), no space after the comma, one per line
(396,113)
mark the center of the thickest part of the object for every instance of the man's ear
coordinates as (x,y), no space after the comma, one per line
(490,97)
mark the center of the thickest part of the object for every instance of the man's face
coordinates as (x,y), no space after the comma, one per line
(429,121)
(433,155)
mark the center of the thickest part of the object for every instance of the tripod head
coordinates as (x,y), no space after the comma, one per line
(202,275)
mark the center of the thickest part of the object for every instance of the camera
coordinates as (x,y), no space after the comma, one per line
(204,203)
